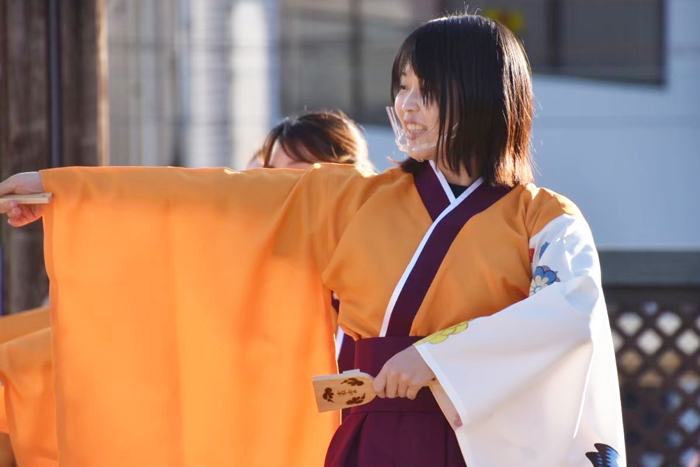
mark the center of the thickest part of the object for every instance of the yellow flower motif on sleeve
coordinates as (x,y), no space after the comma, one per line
(441,336)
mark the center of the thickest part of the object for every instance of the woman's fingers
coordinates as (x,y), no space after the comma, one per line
(392,384)
(386,384)
(24,214)
(403,375)
(403,387)
(412,392)
(380,383)
(21,184)
(6,207)
(17,220)
(398,385)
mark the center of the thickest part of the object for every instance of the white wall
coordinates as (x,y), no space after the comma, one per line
(627,155)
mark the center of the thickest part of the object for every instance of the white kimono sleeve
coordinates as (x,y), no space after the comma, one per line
(536,384)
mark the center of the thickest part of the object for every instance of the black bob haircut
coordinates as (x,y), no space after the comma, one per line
(478,74)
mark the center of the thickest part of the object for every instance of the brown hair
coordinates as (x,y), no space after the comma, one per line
(478,74)
(323,136)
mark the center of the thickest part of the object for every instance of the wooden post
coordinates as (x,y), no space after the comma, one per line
(83,28)
(33,115)
(24,110)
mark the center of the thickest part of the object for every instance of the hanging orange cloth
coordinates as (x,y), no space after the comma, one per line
(28,388)
(167,350)
(4,427)
(7,458)
(21,324)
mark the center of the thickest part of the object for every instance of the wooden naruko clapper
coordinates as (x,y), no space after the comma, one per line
(344,390)
(38,198)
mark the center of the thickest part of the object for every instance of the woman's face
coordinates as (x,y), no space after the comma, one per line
(420,119)
(279,159)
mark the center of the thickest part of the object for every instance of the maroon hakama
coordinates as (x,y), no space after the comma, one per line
(393,432)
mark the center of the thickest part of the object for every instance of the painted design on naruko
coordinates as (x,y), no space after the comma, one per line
(353,382)
(328,394)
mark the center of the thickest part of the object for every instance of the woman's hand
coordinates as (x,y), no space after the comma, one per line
(403,375)
(27,183)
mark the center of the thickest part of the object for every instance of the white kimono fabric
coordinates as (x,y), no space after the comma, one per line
(536,384)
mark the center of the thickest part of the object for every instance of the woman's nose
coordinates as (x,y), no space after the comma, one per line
(412,101)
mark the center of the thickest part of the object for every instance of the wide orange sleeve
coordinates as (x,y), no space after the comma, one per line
(28,389)
(189,315)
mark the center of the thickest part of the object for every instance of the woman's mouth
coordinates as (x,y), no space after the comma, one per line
(414,130)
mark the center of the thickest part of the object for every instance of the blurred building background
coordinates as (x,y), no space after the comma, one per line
(200,82)
(618,113)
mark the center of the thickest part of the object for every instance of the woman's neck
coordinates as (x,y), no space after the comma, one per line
(463,178)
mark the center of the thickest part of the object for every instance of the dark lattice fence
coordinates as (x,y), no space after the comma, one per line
(657,339)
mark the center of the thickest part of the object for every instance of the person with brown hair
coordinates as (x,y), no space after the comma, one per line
(474,297)
(311,137)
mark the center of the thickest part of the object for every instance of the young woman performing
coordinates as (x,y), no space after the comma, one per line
(300,141)
(455,272)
